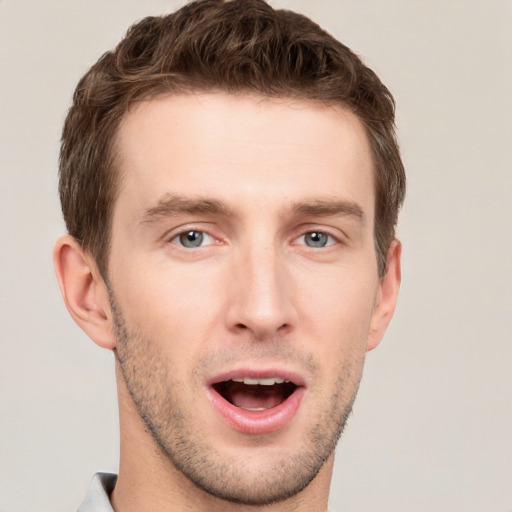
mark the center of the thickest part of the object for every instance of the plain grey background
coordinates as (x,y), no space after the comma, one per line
(432,426)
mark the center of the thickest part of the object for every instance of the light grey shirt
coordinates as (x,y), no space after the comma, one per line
(98,497)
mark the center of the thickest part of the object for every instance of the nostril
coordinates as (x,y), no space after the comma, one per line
(284,328)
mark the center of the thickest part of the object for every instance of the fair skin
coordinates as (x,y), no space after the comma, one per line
(242,248)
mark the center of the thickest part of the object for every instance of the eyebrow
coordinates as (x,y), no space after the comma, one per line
(328,206)
(172,204)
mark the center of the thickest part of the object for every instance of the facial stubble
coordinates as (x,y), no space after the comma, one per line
(170,421)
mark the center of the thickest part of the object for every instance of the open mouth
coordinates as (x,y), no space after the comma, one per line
(255,394)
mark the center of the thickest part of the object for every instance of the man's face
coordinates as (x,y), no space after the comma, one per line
(243,282)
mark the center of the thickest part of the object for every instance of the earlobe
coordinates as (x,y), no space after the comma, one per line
(84,291)
(387,296)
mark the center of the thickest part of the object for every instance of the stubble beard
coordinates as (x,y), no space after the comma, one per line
(156,397)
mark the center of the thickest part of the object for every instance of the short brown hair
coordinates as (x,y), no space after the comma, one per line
(236,46)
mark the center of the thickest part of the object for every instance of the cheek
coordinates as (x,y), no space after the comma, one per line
(339,311)
(161,299)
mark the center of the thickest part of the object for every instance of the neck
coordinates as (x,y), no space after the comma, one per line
(149,482)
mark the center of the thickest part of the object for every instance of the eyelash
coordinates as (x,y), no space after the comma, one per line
(200,236)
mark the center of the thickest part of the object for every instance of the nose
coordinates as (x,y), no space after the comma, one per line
(261,297)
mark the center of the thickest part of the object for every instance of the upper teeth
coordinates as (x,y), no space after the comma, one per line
(262,382)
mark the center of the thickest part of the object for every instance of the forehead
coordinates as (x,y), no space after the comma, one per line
(242,148)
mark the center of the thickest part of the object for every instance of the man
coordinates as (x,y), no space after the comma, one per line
(230,181)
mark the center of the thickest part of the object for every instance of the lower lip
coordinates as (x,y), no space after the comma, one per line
(257,422)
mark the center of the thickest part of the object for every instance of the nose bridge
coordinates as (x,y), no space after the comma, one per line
(262,302)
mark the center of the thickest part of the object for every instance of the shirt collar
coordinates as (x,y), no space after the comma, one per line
(98,497)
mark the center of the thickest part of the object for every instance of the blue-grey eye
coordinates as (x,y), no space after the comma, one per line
(191,239)
(317,239)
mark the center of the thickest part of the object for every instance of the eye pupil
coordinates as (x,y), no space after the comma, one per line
(316,239)
(191,239)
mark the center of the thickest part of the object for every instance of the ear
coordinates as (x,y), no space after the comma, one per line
(386,296)
(84,291)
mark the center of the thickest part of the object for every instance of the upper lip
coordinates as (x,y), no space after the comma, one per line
(259,374)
